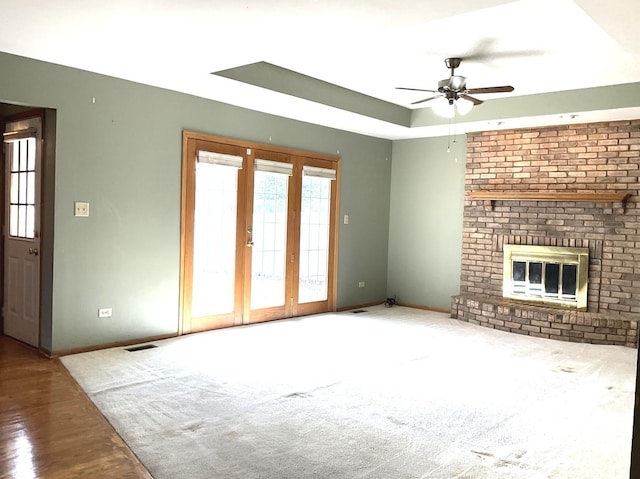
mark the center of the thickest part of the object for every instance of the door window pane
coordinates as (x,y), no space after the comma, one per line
(314,239)
(13,220)
(270,203)
(214,239)
(13,197)
(22,191)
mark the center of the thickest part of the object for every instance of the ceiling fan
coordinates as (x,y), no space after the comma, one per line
(455,88)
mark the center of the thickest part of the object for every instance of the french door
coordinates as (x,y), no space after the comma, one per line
(258,233)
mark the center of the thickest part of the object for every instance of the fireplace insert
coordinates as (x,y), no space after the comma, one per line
(552,275)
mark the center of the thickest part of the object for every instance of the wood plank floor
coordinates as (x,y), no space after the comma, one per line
(48,426)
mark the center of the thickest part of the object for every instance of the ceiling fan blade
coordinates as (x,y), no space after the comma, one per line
(426,99)
(486,50)
(491,89)
(415,89)
(475,101)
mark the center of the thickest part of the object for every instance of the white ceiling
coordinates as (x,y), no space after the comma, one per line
(369,46)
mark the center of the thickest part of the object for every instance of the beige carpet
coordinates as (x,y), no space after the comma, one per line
(391,393)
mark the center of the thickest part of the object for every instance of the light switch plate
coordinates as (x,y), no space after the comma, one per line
(81,208)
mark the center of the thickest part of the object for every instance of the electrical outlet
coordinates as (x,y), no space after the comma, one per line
(346,219)
(105,312)
(81,208)
(361,284)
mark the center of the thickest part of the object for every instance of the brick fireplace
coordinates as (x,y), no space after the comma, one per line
(573,186)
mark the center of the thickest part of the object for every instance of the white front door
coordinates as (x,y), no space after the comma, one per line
(23,151)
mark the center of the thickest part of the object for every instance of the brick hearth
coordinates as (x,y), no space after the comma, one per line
(588,158)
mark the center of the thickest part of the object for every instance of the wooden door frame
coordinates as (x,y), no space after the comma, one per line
(276,311)
(191,147)
(332,287)
(187,204)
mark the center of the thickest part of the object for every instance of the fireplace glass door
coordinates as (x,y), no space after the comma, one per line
(545,280)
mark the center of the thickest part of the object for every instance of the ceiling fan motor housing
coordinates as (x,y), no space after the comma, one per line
(455,83)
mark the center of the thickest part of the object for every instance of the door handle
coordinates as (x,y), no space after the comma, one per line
(250,244)
(34,251)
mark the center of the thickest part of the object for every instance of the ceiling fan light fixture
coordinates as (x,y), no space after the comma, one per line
(442,107)
(463,106)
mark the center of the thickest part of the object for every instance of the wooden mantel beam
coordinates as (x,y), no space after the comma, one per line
(515,195)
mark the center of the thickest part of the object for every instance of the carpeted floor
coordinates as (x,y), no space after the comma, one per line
(391,393)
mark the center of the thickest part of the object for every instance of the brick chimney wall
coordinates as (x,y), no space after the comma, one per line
(586,158)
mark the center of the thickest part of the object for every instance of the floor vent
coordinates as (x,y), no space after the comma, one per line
(141,348)
(359,311)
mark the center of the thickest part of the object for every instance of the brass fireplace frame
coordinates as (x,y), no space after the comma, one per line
(546,255)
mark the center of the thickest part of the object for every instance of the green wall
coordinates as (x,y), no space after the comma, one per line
(122,154)
(425,230)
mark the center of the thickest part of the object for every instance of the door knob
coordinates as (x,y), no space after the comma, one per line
(33,251)
(250,244)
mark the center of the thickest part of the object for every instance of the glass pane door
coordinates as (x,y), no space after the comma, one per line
(258,240)
(314,239)
(214,239)
(269,237)
(22,194)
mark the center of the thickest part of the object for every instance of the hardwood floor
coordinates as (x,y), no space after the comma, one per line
(49,428)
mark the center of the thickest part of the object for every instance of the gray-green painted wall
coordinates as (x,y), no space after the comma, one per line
(425,230)
(122,154)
